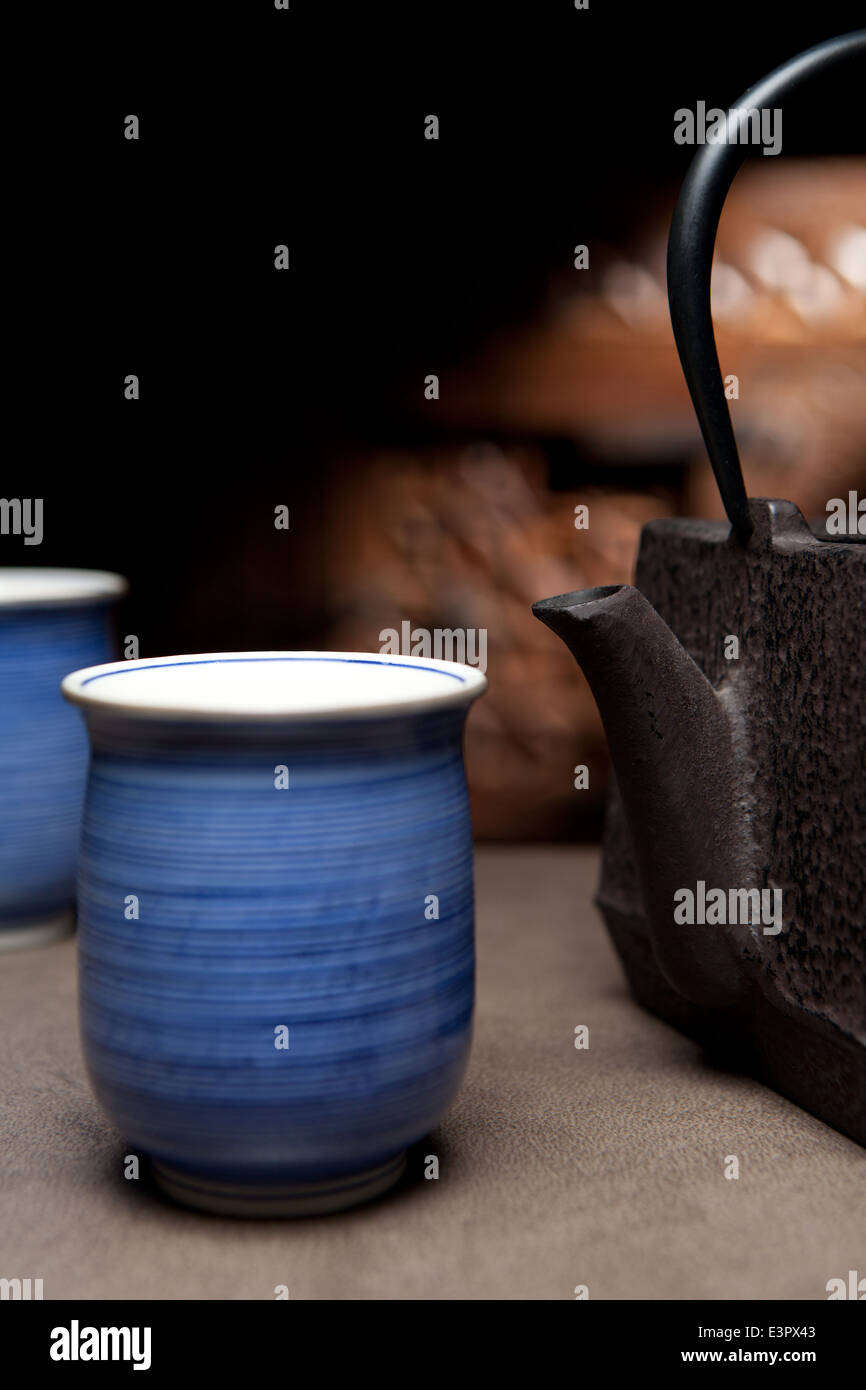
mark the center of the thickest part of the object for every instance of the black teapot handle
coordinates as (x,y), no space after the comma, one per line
(690,260)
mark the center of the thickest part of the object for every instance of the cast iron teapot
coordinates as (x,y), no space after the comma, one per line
(732,688)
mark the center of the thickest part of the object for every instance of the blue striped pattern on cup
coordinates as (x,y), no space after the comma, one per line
(43,755)
(216,909)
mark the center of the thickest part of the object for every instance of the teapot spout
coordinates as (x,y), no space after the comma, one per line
(677,751)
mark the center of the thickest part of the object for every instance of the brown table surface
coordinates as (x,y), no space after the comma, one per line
(558,1167)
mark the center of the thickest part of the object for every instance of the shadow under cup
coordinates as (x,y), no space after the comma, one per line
(276,919)
(50,622)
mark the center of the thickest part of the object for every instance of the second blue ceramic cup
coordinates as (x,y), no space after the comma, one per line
(276,917)
(51,621)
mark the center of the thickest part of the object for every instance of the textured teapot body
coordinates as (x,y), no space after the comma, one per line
(733,694)
(777,628)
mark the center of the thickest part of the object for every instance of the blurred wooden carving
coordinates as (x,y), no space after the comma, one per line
(468,537)
(465,538)
(789,303)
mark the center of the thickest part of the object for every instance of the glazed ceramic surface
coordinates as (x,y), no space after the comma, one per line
(50,622)
(276,917)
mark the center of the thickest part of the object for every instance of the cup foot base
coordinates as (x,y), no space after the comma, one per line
(20,936)
(267,1200)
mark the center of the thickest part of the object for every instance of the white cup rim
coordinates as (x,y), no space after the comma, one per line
(37,586)
(255,695)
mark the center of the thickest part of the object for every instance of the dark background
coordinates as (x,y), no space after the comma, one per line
(306,127)
(259,387)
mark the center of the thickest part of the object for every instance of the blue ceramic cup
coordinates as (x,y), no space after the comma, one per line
(50,622)
(276,933)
